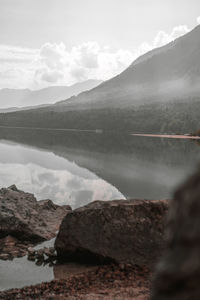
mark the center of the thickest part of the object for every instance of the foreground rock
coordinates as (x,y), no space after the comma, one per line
(104,282)
(178,274)
(24,221)
(122,231)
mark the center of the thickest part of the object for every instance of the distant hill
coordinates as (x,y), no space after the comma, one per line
(158,92)
(15,109)
(14,99)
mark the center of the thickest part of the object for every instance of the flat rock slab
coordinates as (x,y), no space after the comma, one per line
(122,231)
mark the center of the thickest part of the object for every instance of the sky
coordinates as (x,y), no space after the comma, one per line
(62,42)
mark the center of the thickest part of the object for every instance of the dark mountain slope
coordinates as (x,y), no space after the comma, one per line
(170,72)
(159,92)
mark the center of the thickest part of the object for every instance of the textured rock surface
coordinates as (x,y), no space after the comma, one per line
(178,273)
(26,219)
(127,231)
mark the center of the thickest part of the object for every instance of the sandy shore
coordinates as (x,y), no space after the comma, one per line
(168,136)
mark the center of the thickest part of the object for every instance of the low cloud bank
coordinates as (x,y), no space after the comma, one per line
(54,64)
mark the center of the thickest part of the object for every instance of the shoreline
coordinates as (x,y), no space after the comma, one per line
(168,136)
(107,281)
(101,131)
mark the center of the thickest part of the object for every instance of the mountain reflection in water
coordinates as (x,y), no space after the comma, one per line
(77,167)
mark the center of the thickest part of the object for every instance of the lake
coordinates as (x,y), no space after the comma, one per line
(78,167)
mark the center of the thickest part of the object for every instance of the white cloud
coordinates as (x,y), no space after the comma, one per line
(198,20)
(87,54)
(51,76)
(15,54)
(54,64)
(57,65)
(53,55)
(164,38)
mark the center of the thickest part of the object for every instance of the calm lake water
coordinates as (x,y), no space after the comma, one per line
(50,175)
(77,167)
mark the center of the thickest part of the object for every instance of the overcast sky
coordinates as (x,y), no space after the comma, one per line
(60,42)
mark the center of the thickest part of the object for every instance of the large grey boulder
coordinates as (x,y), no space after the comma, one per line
(123,231)
(178,273)
(25,218)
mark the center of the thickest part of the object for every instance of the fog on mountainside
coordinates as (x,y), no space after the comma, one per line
(159,92)
(162,74)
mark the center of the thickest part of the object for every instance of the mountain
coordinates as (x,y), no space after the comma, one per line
(158,92)
(14,99)
(169,72)
(15,109)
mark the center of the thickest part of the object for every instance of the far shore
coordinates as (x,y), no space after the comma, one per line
(168,136)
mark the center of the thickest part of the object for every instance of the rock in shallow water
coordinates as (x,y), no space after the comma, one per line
(124,231)
(178,273)
(24,220)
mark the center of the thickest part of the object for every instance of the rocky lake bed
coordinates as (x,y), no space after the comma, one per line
(103,259)
(103,250)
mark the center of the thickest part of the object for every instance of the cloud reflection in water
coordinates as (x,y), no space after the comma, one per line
(48,176)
